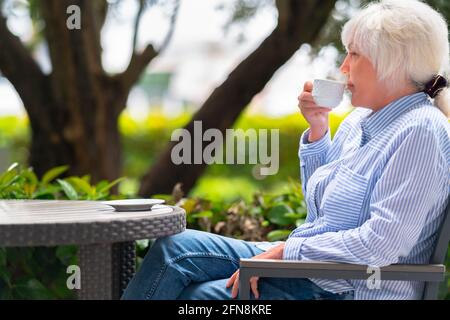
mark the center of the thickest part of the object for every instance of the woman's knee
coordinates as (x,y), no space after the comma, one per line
(171,246)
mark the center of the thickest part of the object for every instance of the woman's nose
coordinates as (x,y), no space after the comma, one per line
(345,68)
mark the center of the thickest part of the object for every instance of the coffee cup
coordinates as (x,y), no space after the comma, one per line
(328,93)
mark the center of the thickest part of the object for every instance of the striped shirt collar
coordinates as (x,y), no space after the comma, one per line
(375,122)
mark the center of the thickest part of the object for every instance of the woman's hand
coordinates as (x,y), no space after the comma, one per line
(274,253)
(316,116)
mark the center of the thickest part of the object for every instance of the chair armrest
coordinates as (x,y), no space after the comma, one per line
(332,270)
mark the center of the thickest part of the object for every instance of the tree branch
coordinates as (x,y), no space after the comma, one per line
(101,12)
(139,61)
(137,22)
(136,67)
(17,65)
(173,20)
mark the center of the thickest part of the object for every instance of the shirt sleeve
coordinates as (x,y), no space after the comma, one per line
(312,155)
(414,181)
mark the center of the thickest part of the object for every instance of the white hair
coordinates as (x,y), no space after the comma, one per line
(406,41)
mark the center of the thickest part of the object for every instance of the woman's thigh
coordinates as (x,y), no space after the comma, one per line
(269,289)
(199,243)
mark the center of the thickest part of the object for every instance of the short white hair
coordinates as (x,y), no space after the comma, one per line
(406,41)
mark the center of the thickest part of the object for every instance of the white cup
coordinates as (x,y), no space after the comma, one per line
(328,93)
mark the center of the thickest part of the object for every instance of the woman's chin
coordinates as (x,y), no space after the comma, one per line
(357,102)
(354,101)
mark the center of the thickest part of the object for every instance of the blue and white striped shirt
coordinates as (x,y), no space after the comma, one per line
(376,193)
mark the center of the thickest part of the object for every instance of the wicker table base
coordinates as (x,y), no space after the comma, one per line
(106,270)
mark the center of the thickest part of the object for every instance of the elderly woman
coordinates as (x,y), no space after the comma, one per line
(375,194)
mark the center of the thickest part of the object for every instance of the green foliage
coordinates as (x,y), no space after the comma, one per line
(22,183)
(266,217)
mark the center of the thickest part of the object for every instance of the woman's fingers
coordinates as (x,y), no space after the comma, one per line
(234,280)
(312,107)
(254,286)
(235,289)
(305,97)
(306,101)
(231,280)
(308,86)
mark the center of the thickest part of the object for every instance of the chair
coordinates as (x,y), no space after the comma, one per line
(431,273)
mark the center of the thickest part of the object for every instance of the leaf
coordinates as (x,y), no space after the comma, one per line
(294,216)
(29,189)
(81,185)
(101,184)
(2,257)
(53,173)
(265,223)
(142,244)
(30,182)
(277,235)
(277,214)
(299,222)
(301,211)
(203,214)
(30,176)
(13,166)
(47,192)
(66,254)
(189,205)
(8,179)
(68,189)
(255,210)
(112,184)
(5,275)
(32,289)
(167,197)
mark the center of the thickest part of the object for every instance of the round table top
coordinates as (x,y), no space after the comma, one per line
(56,222)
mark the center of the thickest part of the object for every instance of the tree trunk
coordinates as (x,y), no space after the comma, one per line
(73,111)
(298,22)
(85,121)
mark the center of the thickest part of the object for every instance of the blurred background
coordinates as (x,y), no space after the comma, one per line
(157,63)
(104,99)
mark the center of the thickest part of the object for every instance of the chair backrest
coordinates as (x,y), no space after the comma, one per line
(439,253)
(440,249)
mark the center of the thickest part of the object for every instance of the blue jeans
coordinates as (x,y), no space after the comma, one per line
(195,265)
